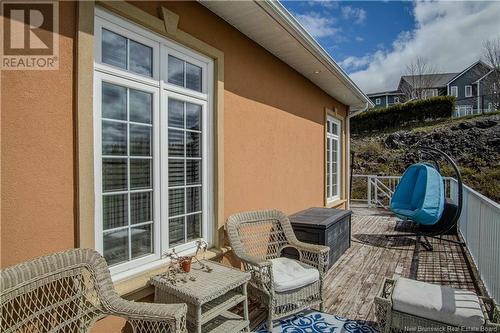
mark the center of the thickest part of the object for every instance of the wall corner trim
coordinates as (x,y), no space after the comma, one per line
(171,20)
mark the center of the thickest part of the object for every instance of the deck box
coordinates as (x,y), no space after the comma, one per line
(324,226)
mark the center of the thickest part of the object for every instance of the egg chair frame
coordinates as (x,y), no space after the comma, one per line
(446,223)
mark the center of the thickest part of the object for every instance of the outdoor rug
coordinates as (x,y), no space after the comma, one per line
(317,322)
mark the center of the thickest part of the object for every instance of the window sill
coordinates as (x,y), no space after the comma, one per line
(335,203)
(137,287)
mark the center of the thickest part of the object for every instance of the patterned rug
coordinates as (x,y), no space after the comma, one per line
(318,322)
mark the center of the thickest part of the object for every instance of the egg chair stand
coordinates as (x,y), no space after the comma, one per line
(447,221)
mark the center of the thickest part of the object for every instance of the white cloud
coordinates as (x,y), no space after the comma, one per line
(318,25)
(359,39)
(325,3)
(357,14)
(448,34)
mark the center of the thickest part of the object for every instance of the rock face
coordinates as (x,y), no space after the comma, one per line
(474,144)
(472,138)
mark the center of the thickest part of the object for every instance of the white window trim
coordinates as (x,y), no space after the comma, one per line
(335,138)
(454,91)
(377,101)
(470,93)
(161,89)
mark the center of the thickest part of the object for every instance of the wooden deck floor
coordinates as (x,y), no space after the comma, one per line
(352,283)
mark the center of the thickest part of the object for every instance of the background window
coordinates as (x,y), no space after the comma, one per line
(468,91)
(454,91)
(377,101)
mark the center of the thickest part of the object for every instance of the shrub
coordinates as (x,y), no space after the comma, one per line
(399,115)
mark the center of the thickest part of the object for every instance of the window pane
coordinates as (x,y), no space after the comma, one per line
(175,113)
(175,172)
(193,77)
(140,174)
(114,211)
(114,138)
(193,116)
(193,172)
(193,144)
(141,208)
(176,231)
(114,49)
(193,226)
(141,240)
(175,71)
(140,140)
(114,174)
(141,58)
(193,199)
(176,202)
(115,246)
(141,106)
(114,101)
(175,143)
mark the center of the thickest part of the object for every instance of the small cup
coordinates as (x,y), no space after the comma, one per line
(186,264)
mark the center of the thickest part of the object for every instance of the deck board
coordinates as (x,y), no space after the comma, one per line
(353,282)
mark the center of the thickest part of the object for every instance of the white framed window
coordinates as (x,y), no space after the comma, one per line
(377,101)
(490,106)
(454,91)
(152,145)
(396,100)
(333,158)
(468,91)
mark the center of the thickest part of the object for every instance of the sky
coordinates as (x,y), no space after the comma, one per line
(374,41)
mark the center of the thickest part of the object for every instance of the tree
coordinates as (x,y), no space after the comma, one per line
(418,79)
(491,55)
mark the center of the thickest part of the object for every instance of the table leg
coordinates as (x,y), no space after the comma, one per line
(245,302)
(198,319)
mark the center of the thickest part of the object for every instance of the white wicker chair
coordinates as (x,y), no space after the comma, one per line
(257,237)
(68,292)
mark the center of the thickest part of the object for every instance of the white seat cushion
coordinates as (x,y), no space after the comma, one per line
(439,303)
(289,274)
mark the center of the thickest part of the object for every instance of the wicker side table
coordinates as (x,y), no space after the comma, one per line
(208,297)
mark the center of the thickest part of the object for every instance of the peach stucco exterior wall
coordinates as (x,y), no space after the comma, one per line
(37,191)
(273,137)
(273,119)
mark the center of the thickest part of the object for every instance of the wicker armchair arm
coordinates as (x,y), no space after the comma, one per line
(150,317)
(314,255)
(491,311)
(262,273)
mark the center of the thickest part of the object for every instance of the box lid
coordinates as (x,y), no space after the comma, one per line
(318,217)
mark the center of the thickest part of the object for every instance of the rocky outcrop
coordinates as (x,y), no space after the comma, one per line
(474,144)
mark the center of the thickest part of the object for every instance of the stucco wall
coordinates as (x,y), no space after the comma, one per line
(273,136)
(273,119)
(37,213)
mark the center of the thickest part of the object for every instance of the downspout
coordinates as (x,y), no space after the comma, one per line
(350,114)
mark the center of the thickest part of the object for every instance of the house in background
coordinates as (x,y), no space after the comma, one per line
(424,86)
(475,89)
(163,119)
(386,98)
(465,87)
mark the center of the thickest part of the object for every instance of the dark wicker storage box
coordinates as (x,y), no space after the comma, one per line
(324,226)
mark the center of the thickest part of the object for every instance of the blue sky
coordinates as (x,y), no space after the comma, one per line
(375,40)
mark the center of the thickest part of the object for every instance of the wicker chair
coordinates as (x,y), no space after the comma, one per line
(258,237)
(69,292)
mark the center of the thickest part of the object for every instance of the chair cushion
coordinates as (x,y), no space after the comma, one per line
(289,274)
(439,303)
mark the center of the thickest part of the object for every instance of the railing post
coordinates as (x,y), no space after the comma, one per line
(369,191)
(376,191)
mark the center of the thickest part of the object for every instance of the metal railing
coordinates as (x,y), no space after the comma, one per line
(479,222)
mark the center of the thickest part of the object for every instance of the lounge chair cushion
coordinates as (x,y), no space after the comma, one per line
(289,274)
(439,303)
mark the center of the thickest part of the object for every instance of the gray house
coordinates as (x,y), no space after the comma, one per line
(386,98)
(475,89)
(464,86)
(424,86)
